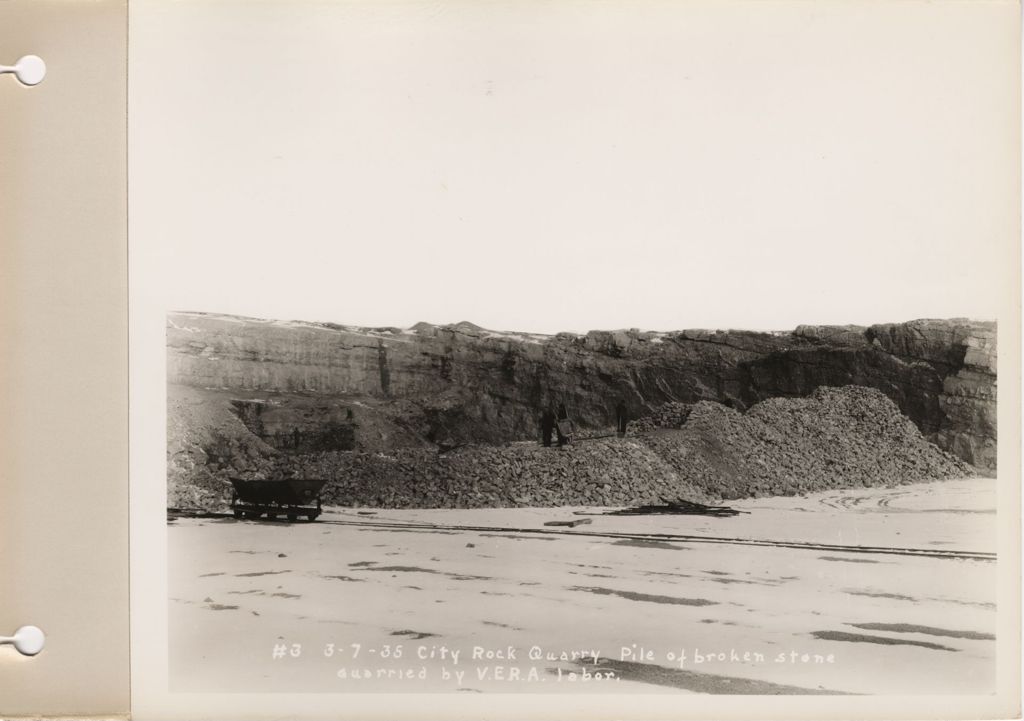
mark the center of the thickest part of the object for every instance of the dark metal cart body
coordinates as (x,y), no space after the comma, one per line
(292,498)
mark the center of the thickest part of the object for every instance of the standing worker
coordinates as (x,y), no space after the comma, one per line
(621,418)
(547,426)
(563,426)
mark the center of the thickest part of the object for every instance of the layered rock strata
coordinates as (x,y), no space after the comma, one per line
(306,387)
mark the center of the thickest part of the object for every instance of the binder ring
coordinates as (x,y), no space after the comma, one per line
(28,640)
(29,70)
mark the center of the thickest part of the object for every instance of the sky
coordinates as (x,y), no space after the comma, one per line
(565,166)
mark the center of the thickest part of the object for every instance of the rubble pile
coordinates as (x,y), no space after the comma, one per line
(206,445)
(835,438)
(604,472)
(670,415)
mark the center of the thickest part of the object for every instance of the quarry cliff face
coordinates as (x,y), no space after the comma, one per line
(326,386)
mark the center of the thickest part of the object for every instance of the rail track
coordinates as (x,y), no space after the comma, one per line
(662,537)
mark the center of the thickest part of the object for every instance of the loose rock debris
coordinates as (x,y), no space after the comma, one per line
(703,453)
(676,508)
(570,524)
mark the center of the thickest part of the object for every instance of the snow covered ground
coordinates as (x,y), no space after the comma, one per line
(873,591)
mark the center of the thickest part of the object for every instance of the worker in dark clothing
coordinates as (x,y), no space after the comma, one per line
(621,418)
(547,426)
(563,426)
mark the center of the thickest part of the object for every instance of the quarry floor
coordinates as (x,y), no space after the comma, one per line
(873,591)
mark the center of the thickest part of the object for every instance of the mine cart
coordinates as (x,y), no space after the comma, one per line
(292,498)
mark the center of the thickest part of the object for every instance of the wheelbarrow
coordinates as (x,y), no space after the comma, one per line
(292,498)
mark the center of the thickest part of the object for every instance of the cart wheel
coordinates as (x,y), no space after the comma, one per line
(237,512)
(271,516)
(311,516)
(252,515)
(293,517)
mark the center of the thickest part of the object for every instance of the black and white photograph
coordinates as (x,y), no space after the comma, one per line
(449,508)
(452,508)
(570,351)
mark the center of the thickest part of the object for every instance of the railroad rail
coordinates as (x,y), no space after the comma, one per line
(661,537)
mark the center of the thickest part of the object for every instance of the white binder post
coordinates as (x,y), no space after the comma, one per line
(28,640)
(29,70)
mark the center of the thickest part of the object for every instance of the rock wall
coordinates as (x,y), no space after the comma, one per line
(456,384)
